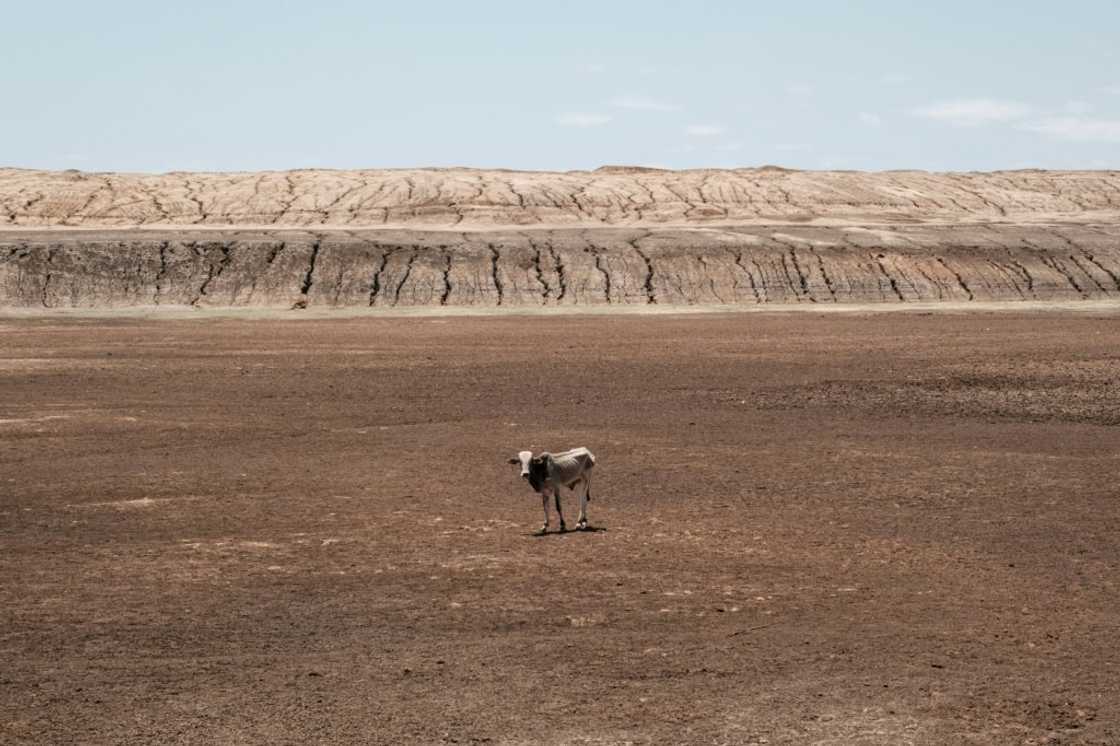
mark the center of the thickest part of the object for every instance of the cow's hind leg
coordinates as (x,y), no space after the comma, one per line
(556,492)
(584,498)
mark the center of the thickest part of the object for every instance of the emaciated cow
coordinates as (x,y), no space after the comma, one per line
(547,473)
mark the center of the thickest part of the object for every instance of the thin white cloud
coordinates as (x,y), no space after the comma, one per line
(1079,108)
(973,112)
(643,103)
(705,130)
(870,119)
(582,119)
(1077,129)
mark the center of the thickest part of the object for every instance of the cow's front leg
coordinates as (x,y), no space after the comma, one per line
(556,493)
(544,504)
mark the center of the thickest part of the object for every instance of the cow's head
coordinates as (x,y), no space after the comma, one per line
(534,468)
(523,458)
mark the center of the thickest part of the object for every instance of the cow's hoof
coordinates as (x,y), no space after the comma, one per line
(542,531)
(582,526)
(563,529)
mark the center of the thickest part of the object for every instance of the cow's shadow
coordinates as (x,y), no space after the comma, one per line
(568,532)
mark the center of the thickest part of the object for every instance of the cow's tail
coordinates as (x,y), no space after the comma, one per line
(588,489)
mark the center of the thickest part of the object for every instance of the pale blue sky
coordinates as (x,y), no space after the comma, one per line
(256,84)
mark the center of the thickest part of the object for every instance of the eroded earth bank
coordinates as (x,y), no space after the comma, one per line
(462,238)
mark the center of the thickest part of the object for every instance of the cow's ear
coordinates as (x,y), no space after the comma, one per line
(515,461)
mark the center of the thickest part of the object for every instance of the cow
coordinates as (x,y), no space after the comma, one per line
(547,473)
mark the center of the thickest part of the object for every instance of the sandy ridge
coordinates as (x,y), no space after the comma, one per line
(468,199)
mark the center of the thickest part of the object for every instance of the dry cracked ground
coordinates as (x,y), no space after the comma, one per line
(616,236)
(814,529)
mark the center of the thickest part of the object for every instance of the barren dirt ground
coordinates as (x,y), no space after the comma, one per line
(813,529)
